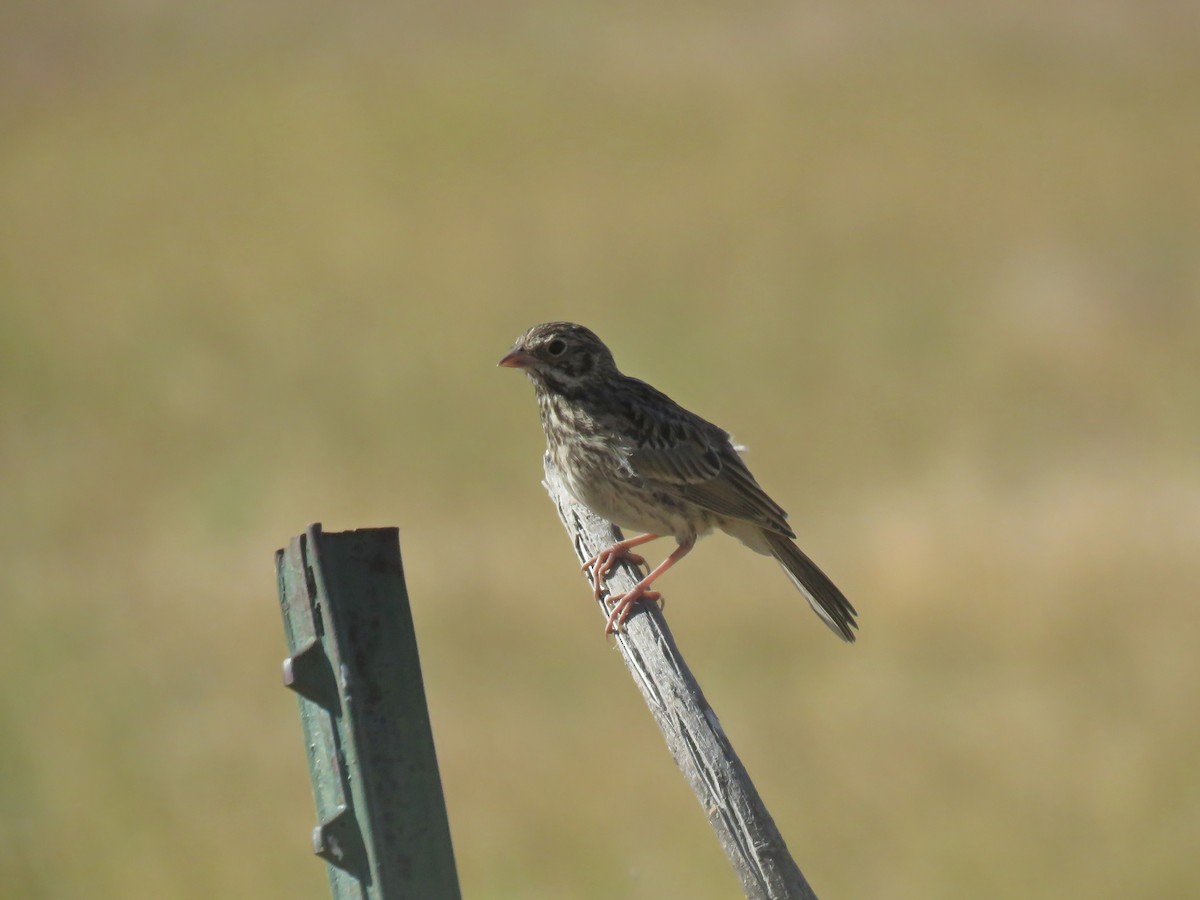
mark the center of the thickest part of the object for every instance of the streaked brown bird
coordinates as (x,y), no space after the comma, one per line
(634,456)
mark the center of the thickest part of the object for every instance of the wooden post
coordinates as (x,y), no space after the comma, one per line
(382,825)
(694,736)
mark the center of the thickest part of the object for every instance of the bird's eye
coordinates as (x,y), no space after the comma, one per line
(556,347)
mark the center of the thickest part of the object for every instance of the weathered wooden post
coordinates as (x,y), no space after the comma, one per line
(694,736)
(382,825)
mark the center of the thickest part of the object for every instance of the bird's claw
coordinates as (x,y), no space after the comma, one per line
(602,563)
(623,607)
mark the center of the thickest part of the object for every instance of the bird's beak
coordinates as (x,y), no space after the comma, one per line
(516,359)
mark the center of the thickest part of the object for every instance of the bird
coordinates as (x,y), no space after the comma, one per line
(635,457)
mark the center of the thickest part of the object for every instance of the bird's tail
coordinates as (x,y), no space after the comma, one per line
(822,594)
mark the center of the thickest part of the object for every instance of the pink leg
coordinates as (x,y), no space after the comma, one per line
(624,605)
(606,559)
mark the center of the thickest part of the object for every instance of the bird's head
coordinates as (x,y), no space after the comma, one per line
(560,355)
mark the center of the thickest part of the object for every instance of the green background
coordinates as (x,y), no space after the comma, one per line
(935,264)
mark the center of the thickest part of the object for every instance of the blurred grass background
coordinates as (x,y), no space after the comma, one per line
(936,264)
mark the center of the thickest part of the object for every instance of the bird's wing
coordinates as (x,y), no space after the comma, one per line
(697,459)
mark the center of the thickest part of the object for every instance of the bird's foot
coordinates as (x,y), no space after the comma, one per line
(602,563)
(623,607)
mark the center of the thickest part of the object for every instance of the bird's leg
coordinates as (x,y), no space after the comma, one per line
(624,605)
(606,559)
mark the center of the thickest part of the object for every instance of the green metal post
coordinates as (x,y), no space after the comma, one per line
(382,825)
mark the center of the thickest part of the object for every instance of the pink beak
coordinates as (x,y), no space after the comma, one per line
(517,359)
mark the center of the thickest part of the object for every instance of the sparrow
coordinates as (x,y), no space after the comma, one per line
(634,456)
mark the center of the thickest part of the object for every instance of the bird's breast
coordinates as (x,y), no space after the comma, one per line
(591,456)
(598,477)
